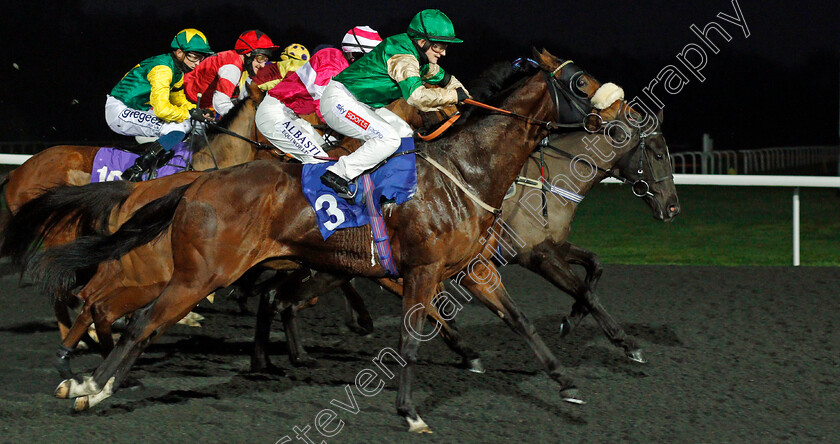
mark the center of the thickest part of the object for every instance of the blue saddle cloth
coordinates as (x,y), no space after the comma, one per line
(109,163)
(395,180)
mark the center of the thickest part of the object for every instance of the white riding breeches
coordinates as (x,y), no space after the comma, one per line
(131,122)
(380,129)
(288,132)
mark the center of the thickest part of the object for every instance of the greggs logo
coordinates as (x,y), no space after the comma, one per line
(363,124)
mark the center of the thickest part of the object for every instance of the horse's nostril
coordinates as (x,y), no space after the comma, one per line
(673,209)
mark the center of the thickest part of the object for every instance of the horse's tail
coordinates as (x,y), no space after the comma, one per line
(87,207)
(56,268)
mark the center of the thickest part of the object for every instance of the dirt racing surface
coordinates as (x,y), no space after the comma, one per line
(742,354)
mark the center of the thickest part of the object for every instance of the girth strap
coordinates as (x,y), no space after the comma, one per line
(545,186)
(447,173)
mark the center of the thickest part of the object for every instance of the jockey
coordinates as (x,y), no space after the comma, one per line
(217,78)
(353,103)
(358,42)
(298,94)
(292,58)
(149,100)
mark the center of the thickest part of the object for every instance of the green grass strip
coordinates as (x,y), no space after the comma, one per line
(716,226)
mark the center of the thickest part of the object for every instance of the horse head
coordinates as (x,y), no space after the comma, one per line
(572,87)
(647,167)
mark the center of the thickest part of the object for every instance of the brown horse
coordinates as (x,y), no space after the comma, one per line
(542,223)
(72,165)
(122,289)
(433,236)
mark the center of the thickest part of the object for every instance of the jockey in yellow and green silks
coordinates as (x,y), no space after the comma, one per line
(149,100)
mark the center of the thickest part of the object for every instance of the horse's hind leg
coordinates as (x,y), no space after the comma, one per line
(494,296)
(174,303)
(356,315)
(62,315)
(298,288)
(68,344)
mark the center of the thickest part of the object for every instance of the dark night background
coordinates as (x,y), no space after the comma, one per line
(778,87)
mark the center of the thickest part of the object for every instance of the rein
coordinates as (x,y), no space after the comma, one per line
(224,130)
(548,124)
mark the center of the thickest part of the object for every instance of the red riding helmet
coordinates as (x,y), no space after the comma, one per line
(254,40)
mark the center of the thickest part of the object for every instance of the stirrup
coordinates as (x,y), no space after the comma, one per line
(134,173)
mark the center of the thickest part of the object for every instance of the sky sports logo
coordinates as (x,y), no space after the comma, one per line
(362,123)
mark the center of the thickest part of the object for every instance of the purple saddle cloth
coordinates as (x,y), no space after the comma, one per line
(110,163)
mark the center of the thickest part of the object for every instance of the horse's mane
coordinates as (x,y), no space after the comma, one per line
(228,118)
(224,122)
(494,84)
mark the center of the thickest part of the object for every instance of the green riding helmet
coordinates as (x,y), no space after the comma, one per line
(191,40)
(432,25)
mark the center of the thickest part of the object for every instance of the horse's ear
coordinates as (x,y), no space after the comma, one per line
(255,92)
(543,57)
(659,116)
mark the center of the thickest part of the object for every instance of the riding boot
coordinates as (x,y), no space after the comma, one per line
(338,184)
(144,164)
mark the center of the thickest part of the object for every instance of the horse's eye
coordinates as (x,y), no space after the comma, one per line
(581,82)
(659,156)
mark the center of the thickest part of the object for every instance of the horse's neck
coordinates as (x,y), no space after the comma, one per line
(572,169)
(501,145)
(225,150)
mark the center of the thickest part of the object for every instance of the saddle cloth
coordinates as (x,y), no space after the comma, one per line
(395,180)
(109,163)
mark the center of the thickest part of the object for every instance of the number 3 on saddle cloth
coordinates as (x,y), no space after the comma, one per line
(396,181)
(109,163)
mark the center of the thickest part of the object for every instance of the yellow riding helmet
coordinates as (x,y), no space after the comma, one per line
(295,51)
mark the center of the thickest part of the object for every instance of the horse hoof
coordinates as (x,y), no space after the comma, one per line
(475,366)
(637,355)
(269,369)
(417,425)
(572,396)
(565,327)
(63,389)
(71,388)
(361,330)
(305,361)
(81,404)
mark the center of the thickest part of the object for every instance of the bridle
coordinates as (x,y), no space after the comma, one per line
(640,187)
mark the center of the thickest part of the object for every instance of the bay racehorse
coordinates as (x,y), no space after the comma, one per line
(227,221)
(541,218)
(137,280)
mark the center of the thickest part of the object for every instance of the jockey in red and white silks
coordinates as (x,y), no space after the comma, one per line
(218,76)
(299,93)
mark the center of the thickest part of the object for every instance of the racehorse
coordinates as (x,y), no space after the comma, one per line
(72,165)
(542,222)
(144,280)
(433,236)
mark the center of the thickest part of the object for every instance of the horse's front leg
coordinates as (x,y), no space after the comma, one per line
(419,286)
(470,359)
(492,293)
(611,328)
(552,262)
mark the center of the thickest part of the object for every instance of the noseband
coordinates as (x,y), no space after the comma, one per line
(640,187)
